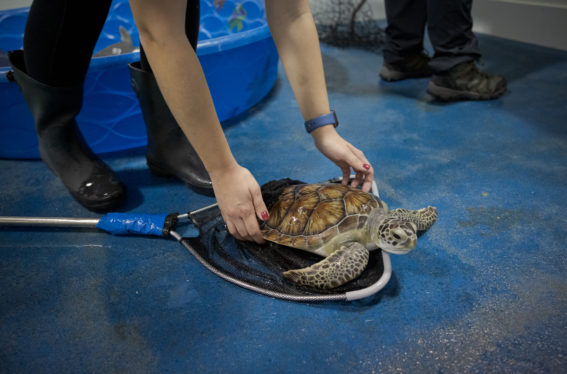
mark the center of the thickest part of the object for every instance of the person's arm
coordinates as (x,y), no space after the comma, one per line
(161,25)
(293,30)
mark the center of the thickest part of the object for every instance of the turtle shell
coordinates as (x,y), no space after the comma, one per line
(307,216)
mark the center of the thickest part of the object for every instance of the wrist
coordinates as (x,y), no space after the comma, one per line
(324,136)
(324,120)
(322,132)
(222,168)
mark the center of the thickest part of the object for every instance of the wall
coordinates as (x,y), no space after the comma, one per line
(11,4)
(542,22)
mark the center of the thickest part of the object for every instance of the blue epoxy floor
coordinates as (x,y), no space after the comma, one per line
(485,291)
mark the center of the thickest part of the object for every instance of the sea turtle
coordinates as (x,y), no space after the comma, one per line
(342,224)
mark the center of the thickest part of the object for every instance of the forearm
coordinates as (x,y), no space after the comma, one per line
(297,41)
(182,83)
(293,29)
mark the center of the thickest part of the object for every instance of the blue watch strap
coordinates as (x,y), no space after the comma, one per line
(324,120)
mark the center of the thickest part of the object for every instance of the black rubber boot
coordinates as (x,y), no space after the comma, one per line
(169,152)
(61,145)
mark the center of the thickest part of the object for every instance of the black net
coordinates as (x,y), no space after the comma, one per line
(348,23)
(260,267)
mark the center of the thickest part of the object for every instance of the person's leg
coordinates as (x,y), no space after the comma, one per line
(405,30)
(403,45)
(59,39)
(449,24)
(169,153)
(455,75)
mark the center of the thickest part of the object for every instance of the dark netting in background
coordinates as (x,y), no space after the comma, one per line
(347,23)
(262,265)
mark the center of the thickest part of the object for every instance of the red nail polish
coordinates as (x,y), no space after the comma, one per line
(366,166)
(265,216)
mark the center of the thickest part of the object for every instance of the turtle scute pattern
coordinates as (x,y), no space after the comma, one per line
(307,216)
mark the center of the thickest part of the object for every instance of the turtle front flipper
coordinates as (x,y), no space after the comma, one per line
(423,218)
(342,266)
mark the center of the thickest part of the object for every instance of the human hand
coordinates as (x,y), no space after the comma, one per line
(345,156)
(240,201)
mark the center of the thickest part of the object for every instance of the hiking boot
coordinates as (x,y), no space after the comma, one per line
(414,66)
(465,82)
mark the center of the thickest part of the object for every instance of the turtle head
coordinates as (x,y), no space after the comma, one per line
(396,236)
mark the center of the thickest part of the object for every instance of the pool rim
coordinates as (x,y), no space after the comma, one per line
(204,47)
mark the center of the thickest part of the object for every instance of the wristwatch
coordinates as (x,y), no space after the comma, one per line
(323,120)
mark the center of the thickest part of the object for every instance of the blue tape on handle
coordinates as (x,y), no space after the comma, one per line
(128,223)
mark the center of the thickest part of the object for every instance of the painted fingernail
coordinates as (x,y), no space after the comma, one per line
(366,166)
(265,216)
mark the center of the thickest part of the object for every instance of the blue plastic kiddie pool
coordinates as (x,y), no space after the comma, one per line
(235,49)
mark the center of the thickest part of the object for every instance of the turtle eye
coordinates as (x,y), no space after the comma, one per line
(399,234)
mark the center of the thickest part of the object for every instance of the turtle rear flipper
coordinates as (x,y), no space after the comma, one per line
(423,218)
(342,266)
